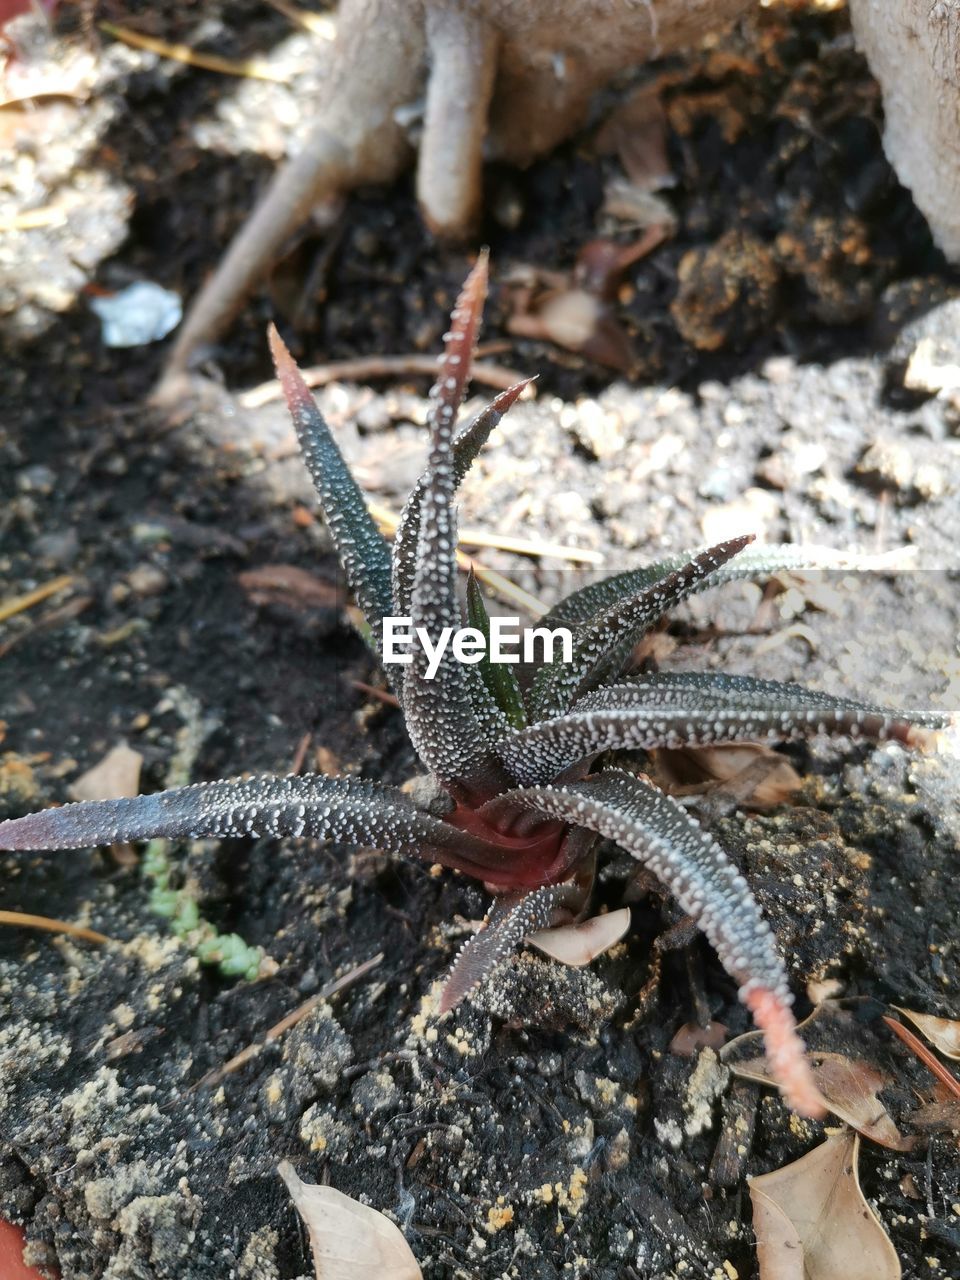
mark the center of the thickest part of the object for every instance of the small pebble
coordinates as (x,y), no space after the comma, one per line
(147,580)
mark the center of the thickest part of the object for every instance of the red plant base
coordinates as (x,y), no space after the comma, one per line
(12,1265)
(529,861)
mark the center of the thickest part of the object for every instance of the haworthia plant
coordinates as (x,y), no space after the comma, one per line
(529,793)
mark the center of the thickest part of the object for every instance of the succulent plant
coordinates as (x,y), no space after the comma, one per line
(526,782)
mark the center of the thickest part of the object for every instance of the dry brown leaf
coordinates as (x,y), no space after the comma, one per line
(691,1038)
(812,1221)
(578,944)
(849,1084)
(350,1241)
(937,1117)
(850,1087)
(636,130)
(751,773)
(943,1033)
(116,777)
(580,321)
(574,311)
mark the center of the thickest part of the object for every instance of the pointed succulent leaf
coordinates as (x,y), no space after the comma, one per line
(466,448)
(492,721)
(440,717)
(700,692)
(660,834)
(603,643)
(691,709)
(499,677)
(505,928)
(754,562)
(348,809)
(360,545)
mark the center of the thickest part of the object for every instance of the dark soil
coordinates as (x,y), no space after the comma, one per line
(561,1135)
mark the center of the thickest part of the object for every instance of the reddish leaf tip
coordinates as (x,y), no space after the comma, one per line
(278,348)
(299,397)
(788,1060)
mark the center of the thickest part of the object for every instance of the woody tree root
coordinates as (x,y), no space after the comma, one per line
(509,79)
(505,79)
(913,47)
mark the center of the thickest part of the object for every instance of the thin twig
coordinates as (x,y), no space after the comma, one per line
(249,68)
(300,754)
(925,1055)
(54,617)
(529,546)
(383,694)
(18,604)
(364,367)
(25,920)
(296,1015)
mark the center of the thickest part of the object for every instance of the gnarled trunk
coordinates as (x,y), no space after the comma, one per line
(913,47)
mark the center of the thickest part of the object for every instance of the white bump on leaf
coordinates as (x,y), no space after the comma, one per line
(350,1241)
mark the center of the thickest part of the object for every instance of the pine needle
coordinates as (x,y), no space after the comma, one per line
(248,68)
(19,604)
(297,1015)
(24,920)
(920,1050)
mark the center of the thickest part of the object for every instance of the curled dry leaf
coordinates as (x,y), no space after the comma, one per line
(116,777)
(849,1084)
(937,1117)
(691,1038)
(851,1087)
(575,309)
(578,320)
(943,1033)
(350,1241)
(636,130)
(748,773)
(578,944)
(812,1221)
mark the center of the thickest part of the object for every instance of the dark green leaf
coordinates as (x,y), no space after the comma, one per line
(601,645)
(360,545)
(499,677)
